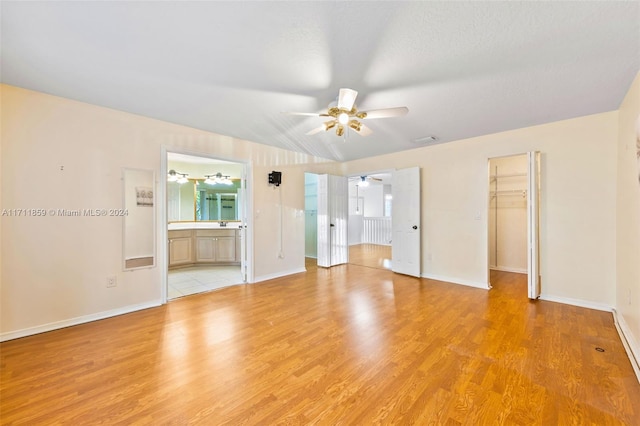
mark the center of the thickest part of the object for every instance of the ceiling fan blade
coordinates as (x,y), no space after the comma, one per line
(363,131)
(307,114)
(385,113)
(347,98)
(316,130)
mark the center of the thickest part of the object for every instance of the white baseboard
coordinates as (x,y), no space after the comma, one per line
(10,335)
(474,284)
(506,269)
(278,275)
(628,341)
(577,302)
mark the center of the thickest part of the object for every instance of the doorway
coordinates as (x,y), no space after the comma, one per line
(369,221)
(206,224)
(513,221)
(337,232)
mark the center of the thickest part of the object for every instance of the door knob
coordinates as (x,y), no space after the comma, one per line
(415,227)
(331,224)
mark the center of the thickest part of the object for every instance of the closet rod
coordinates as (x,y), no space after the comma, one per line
(508,175)
(522,192)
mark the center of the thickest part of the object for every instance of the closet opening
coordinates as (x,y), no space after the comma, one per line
(508,222)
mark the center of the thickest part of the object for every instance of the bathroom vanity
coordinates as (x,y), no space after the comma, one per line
(197,245)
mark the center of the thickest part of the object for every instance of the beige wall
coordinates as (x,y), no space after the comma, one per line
(54,269)
(578,202)
(628,219)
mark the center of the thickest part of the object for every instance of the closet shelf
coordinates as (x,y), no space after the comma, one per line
(494,177)
(512,192)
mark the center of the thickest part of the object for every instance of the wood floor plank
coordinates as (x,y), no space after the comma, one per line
(347,345)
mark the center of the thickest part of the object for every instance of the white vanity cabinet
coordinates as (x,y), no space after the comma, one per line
(204,246)
(180,248)
(216,245)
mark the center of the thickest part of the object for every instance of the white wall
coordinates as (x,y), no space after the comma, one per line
(54,269)
(628,218)
(373,200)
(508,214)
(356,209)
(578,205)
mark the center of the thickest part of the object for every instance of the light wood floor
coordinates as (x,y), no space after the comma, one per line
(370,255)
(346,345)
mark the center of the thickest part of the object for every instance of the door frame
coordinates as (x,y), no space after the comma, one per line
(163,232)
(377,172)
(537,218)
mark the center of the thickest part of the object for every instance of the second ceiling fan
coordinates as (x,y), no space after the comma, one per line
(345,115)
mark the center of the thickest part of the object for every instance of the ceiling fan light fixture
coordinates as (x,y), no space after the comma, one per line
(345,115)
(363,181)
(329,124)
(346,98)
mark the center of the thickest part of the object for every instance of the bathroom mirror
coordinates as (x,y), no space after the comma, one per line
(181,202)
(199,201)
(139,244)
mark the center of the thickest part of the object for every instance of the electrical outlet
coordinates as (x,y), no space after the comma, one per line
(112,281)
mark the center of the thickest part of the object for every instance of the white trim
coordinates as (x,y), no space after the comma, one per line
(628,341)
(577,302)
(278,275)
(162,225)
(77,320)
(507,269)
(474,284)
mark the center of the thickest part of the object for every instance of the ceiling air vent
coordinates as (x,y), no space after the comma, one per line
(425,140)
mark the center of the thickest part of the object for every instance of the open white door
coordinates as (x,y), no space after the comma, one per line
(333,247)
(533,215)
(405,245)
(242,210)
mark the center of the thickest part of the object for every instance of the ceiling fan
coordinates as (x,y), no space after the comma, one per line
(344,115)
(364,180)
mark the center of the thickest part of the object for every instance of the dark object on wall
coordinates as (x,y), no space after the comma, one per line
(275,178)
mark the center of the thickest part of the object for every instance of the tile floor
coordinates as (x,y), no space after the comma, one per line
(198,279)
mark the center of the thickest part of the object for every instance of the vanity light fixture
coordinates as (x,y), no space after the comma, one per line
(174,176)
(218,178)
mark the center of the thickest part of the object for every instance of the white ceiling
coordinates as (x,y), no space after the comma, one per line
(462,68)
